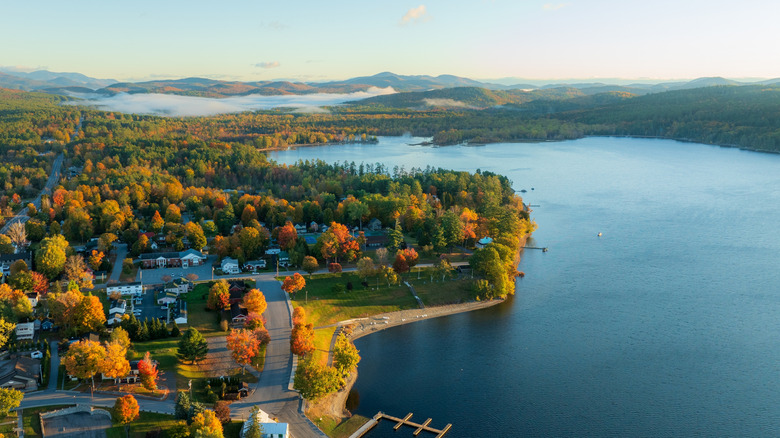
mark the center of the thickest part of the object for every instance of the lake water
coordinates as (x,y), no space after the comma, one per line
(666,325)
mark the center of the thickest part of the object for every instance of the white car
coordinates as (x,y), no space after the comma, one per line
(137,312)
(164,307)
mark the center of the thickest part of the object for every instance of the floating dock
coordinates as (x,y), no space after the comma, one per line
(401,422)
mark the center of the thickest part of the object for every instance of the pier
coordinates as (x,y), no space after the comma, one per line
(401,422)
(544,249)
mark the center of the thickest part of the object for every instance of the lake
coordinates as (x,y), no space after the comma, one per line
(666,325)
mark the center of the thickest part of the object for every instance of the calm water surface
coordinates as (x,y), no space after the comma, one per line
(667,325)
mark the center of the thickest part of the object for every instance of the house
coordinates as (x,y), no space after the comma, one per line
(133,376)
(181,313)
(271,429)
(6,260)
(230,266)
(22,373)
(33,297)
(300,228)
(238,313)
(134,289)
(167,298)
(117,306)
(237,289)
(179,286)
(483,242)
(115,318)
(47,324)
(284,258)
(254,265)
(314,227)
(374,225)
(182,259)
(375,239)
(25,330)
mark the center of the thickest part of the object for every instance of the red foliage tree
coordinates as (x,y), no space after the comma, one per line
(334,267)
(286,236)
(400,265)
(293,284)
(148,371)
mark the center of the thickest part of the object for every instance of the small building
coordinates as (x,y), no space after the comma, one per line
(34,297)
(47,324)
(238,313)
(483,242)
(271,429)
(181,313)
(254,265)
(167,298)
(134,289)
(117,306)
(25,331)
(6,260)
(374,225)
(300,228)
(230,266)
(115,318)
(179,286)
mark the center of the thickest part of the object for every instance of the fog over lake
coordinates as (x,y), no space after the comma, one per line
(183,106)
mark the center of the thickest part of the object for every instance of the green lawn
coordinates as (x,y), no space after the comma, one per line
(439,292)
(322,338)
(146,422)
(129,277)
(205,321)
(335,428)
(32,421)
(326,306)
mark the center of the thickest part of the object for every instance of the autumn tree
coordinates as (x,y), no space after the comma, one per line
(365,268)
(95,259)
(400,265)
(14,304)
(222,411)
(389,275)
(206,425)
(6,245)
(9,399)
(50,257)
(83,359)
(76,270)
(192,346)
(310,265)
(157,222)
(120,336)
(244,346)
(293,284)
(345,356)
(18,234)
(115,364)
(125,410)
(88,315)
(253,321)
(337,242)
(105,241)
(219,296)
(286,236)
(302,336)
(254,301)
(382,255)
(315,380)
(147,369)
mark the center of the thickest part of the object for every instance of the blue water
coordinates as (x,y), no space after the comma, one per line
(666,325)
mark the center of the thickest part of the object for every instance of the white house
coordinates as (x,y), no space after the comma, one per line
(230,266)
(134,289)
(167,298)
(271,429)
(115,318)
(25,330)
(117,306)
(33,297)
(300,228)
(178,286)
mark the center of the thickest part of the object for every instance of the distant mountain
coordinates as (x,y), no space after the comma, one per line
(41,79)
(214,88)
(413,83)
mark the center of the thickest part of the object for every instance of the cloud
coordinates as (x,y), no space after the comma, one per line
(554,7)
(415,15)
(447,103)
(21,68)
(268,64)
(171,105)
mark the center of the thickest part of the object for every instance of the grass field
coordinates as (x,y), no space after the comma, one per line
(335,428)
(146,422)
(326,306)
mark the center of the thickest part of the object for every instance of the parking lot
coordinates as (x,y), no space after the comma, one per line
(155,275)
(148,308)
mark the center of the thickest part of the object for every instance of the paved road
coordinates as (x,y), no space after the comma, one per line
(55,366)
(54,178)
(121,253)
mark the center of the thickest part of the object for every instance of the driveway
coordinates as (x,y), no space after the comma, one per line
(121,253)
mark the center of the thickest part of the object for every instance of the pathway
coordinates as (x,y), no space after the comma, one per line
(55,366)
(121,253)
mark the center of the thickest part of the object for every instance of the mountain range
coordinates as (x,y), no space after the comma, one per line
(66,83)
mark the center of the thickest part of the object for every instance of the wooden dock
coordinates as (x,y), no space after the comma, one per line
(401,422)
(544,249)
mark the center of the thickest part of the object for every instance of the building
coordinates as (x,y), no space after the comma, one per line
(238,313)
(300,228)
(34,297)
(230,266)
(117,306)
(374,225)
(22,373)
(134,289)
(25,331)
(6,260)
(179,286)
(483,242)
(254,265)
(167,298)
(182,259)
(271,429)
(237,290)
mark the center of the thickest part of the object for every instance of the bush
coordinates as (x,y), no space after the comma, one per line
(223,325)
(337,288)
(334,267)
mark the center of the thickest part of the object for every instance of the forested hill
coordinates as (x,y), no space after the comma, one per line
(466,98)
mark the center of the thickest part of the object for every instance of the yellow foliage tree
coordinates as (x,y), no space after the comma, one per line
(206,425)
(254,301)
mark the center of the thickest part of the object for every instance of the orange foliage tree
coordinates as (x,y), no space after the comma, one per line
(83,359)
(206,424)
(302,336)
(126,409)
(115,364)
(244,346)
(293,284)
(286,236)
(254,301)
(219,296)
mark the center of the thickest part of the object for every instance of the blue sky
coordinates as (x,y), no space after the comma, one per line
(319,40)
